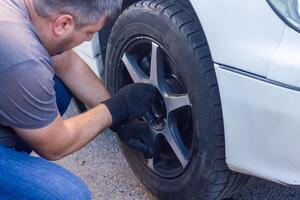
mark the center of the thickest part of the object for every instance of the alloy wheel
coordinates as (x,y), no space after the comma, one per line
(144,60)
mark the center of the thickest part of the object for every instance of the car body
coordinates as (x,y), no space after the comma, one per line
(255,55)
(258,74)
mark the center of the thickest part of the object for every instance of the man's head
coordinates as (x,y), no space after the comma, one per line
(63,24)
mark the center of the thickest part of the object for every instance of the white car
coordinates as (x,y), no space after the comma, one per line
(229,77)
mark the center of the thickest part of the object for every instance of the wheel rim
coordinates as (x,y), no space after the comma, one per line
(144,60)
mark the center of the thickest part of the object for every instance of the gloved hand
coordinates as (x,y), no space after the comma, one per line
(136,134)
(131,102)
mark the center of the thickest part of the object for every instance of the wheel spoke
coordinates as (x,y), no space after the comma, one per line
(156,67)
(150,163)
(136,73)
(174,102)
(174,139)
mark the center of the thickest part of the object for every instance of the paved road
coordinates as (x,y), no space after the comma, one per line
(102,166)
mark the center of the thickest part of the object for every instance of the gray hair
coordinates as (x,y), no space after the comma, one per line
(84,11)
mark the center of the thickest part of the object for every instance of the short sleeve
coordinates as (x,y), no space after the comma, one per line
(27,95)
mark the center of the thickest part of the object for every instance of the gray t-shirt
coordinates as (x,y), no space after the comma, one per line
(26,74)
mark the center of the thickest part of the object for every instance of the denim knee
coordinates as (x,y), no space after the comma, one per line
(74,189)
(63,95)
(27,177)
(58,189)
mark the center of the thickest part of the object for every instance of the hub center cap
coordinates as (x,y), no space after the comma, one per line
(157,116)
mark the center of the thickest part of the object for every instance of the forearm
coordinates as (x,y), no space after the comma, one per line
(62,137)
(83,128)
(80,79)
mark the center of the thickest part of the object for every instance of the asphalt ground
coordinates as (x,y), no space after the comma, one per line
(104,169)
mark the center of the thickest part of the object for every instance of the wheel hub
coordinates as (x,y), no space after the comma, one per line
(157,116)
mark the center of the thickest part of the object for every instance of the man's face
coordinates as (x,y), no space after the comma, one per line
(68,39)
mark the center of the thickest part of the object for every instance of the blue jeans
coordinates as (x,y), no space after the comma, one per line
(24,177)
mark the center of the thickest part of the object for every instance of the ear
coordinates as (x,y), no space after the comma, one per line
(63,24)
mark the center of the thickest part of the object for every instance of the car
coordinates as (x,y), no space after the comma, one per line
(228,74)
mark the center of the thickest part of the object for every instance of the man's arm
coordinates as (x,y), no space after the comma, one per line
(63,137)
(79,78)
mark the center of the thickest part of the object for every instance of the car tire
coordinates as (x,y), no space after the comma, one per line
(173,26)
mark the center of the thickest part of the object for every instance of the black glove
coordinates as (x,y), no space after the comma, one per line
(131,102)
(136,134)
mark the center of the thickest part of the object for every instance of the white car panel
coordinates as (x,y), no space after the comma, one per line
(285,65)
(262,126)
(240,33)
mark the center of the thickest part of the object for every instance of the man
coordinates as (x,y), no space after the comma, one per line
(35,41)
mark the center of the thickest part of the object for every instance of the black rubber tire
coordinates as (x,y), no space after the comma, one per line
(173,23)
